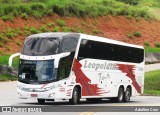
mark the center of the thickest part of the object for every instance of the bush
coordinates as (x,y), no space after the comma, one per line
(95,31)
(7,17)
(56,29)
(10,35)
(24,16)
(50,24)
(33,30)
(43,29)
(18,31)
(38,14)
(137,34)
(147,44)
(61,23)
(157,45)
(130,35)
(79,30)
(66,29)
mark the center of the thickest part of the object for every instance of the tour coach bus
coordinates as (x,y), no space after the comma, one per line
(76,66)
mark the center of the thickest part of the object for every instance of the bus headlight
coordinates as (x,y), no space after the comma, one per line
(20,87)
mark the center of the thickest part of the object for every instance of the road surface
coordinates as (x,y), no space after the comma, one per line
(152,67)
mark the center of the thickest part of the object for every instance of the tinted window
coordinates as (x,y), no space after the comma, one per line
(41,46)
(107,51)
(69,44)
(65,65)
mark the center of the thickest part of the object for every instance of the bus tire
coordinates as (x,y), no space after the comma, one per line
(41,101)
(127,95)
(120,96)
(75,97)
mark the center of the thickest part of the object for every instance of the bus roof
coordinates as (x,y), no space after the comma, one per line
(50,34)
(85,36)
(107,40)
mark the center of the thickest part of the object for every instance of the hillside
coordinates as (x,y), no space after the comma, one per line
(130,22)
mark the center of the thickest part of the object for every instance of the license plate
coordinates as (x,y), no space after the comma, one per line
(34,95)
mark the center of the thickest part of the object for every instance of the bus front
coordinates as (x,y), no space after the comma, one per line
(39,76)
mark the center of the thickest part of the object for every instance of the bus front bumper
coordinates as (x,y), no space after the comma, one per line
(37,95)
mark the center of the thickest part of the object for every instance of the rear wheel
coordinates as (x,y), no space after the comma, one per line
(75,96)
(41,101)
(127,95)
(120,96)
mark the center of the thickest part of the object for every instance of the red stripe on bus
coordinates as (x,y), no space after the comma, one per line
(128,69)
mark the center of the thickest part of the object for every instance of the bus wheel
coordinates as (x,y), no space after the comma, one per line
(41,101)
(127,95)
(75,97)
(120,96)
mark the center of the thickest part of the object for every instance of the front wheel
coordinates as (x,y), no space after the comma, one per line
(75,96)
(41,101)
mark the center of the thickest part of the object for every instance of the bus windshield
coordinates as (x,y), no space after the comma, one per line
(37,72)
(41,46)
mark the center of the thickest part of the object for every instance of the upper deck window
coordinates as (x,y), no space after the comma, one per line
(41,46)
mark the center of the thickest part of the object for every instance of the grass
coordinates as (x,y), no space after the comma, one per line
(152,83)
(150,49)
(6,77)
(80,8)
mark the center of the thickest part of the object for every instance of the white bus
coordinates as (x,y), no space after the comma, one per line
(76,66)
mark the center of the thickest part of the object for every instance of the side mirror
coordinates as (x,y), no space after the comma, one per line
(11,58)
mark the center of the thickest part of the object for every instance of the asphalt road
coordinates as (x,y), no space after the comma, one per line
(152,67)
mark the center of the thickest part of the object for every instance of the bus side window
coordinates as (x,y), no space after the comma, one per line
(65,65)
